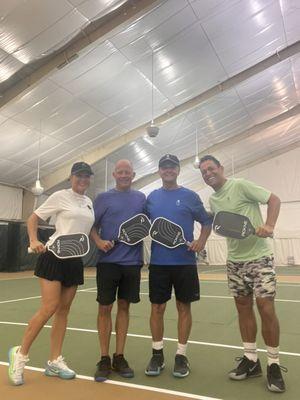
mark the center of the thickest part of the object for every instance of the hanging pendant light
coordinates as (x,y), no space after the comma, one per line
(152,130)
(197,159)
(38,189)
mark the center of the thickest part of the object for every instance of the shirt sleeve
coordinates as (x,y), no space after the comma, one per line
(50,207)
(199,212)
(254,192)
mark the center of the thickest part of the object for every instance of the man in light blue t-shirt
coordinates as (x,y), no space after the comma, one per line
(118,268)
(250,268)
(174,267)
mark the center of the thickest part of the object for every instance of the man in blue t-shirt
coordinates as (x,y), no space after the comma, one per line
(174,267)
(118,268)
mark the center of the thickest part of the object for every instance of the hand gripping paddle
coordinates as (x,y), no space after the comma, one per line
(69,246)
(134,230)
(167,233)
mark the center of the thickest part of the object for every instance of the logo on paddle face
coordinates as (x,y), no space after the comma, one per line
(125,236)
(176,238)
(244,229)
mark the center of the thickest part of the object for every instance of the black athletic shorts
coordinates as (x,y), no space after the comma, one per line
(121,280)
(184,279)
(68,271)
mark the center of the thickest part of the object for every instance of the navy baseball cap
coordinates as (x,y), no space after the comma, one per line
(168,159)
(81,167)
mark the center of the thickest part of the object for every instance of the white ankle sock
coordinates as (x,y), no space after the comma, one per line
(273,355)
(250,351)
(181,349)
(158,345)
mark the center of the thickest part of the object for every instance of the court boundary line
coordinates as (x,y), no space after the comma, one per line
(167,339)
(38,297)
(94,290)
(129,385)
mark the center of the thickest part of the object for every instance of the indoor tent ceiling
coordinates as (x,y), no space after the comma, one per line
(77,74)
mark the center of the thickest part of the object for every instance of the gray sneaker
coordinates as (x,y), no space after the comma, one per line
(181,366)
(16,366)
(156,364)
(274,378)
(246,369)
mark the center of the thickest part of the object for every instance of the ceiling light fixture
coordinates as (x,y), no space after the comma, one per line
(152,130)
(197,159)
(38,189)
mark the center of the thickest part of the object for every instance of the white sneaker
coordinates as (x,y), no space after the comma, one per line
(17,363)
(59,368)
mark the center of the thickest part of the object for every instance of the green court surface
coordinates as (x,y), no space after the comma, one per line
(214,341)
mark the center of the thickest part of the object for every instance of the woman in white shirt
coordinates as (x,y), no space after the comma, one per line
(59,278)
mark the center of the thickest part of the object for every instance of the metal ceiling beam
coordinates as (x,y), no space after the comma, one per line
(126,13)
(115,144)
(146,180)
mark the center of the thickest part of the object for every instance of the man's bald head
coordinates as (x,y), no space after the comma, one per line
(123,174)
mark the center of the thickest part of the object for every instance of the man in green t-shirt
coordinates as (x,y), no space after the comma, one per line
(250,268)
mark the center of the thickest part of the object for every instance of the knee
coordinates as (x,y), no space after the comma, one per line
(244,304)
(47,310)
(63,309)
(123,305)
(105,310)
(266,308)
(158,309)
(183,308)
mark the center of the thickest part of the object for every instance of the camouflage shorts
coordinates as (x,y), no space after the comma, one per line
(246,278)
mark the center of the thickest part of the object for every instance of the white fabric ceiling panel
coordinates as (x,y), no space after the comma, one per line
(11,174)
(148,22)
(7,6)
(66,117)
(35,95)
(78,126)
(271,92)
(97,133)
(34,116)
(86,62)
(169,29)
(18,24)
(29,153)
(184,67)
(14,137)
(101,73)
(93,9)
(53,37)
(257,32)
(8,66)
(2,118)
(291,18)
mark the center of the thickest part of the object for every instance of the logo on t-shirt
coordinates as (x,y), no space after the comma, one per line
(177,202)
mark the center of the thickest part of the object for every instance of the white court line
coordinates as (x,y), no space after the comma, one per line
(226,346)
(131,385)
(230,297)
(38,297)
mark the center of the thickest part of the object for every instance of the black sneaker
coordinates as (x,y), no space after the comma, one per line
(120,365)
(103,369)
(156,364)
(181,366)
(274,377)
(245,369)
